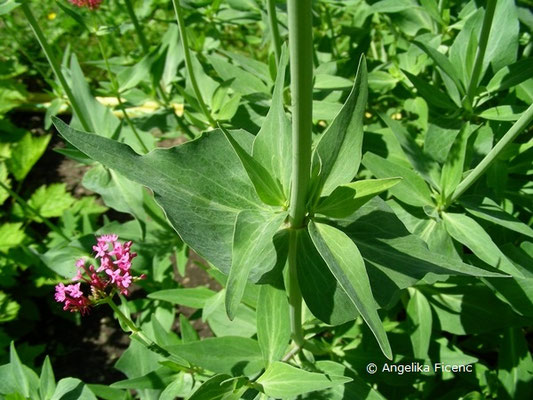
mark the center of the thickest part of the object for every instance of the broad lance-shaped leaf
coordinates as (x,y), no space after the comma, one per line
(268,189)
(346,264)
(281,381)
(346,199)
(273,144)
(273,328)
(323,295)
(396,259)
(420,320)
(253,247)
(515,365)
(338,151)
(468,232)
(201,184)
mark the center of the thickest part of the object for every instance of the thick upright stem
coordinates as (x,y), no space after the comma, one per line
(301,49)
(482,47)
(511,134)
(188,62)
(274,29)
(137,26)
(301,56)
(54,65)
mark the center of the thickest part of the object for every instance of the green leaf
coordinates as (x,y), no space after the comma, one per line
(346,264)
(502,113)
(8,308)
(188,333)
(346,199)
(420,321)
(231,355)
(17,369)
(394,258)
(50,201)
(515,365)
(11,235)
(157,379)
(242,81)
(463,50)
(268,189)
(188,297)
(4,195)
(214,388)
(323,295)
(392,6)
(442,62)
(452,170)
(331,82)
(282,380)
(273,328)
(411,190)
(430,93)
(47,381)
(511,75)
(25,153)
(469,233)
(273,144)
(214,313)
(253,248)
(487,209)
(72,388)
(420,161)
(105,392)
(201,185)
(338,151)
(7,6)
(502,46)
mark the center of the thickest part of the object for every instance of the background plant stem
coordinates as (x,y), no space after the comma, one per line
(482,47)
(300,50)
(56,68)
(137,26)
(274,29)
(511,134)
(188,62)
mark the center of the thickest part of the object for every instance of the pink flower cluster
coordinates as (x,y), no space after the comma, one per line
(113,274)
(90,4)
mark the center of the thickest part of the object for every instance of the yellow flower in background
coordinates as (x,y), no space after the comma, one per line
(52,16)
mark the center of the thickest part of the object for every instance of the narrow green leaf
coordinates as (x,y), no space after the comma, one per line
(253,248)
(442,62)
(338,150)
(322,293)
(430,93)
(452,170)
(346,264)
(346,199)
(420,320)
(273,327)
(489,210)
(282,381)
(268,189)
(515,365)
(468,232)
(189,297)
(242,81)
(273,144)
(17,369)
(511,75)
(157,379)
(232,355)
(47,381)
(68,388)
(411,190)
(201,185)
(7,6)
(420,161)
(503,113)
(188,333)
(214,388)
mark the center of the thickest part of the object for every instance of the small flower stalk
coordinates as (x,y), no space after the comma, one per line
(113,275)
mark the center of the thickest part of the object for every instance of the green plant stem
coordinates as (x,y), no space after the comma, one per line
(116,92)
(188,62)
(509,136)
(54,65)
(301,56)
(137,26)
(482,47)
(274,29)
(24,204)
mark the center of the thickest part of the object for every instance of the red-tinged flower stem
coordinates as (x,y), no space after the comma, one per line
(188,62)
(140,336)
(54,64)
(301,61)
(137,26)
